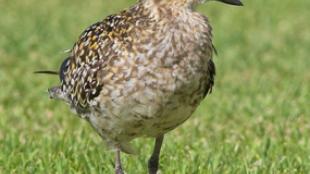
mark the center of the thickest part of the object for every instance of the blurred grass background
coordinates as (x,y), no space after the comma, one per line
(256,121)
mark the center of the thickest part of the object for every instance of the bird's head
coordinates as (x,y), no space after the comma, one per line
(56,92)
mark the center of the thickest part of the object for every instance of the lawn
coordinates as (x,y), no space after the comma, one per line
(257,119)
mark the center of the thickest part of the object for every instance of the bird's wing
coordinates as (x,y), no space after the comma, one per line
(211,74)
(90,57)
(211,71)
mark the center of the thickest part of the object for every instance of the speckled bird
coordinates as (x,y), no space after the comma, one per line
(140,73)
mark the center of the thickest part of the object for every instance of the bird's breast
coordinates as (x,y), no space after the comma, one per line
(154,80)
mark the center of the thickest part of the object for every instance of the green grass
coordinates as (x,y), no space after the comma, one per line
(256,121)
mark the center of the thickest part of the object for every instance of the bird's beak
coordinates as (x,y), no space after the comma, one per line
(232,2)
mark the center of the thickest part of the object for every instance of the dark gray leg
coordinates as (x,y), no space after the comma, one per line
(154,160)
(118,164)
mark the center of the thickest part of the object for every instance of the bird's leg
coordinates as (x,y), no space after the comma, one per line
(154,160)
(118,164)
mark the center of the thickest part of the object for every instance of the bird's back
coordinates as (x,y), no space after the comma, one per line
(140,72)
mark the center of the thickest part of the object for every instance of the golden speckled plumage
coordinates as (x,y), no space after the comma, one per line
(141,72)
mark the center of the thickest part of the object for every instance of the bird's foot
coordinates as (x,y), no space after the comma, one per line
(119,171)
(153,165)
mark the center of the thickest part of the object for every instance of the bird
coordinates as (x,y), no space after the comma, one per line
(141,72)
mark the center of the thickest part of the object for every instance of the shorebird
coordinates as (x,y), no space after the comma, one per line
(140,73)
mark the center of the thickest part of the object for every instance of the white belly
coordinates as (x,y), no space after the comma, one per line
(151,108)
